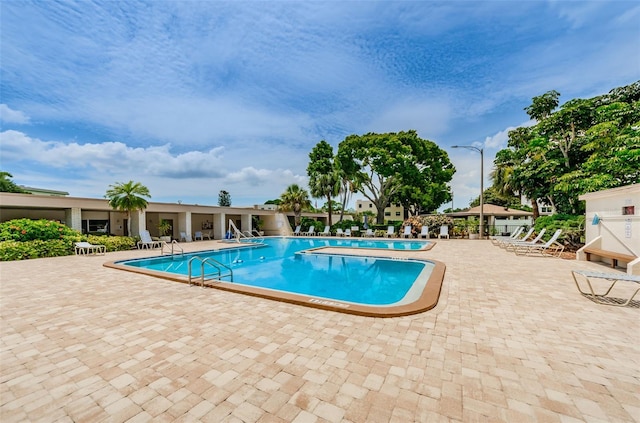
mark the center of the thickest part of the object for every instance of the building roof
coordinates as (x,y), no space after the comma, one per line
(491,210)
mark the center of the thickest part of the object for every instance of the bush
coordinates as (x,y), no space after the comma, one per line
(307,222)
(572,228)
(19,240)
(30,230)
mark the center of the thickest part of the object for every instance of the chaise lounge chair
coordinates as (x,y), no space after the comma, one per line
(550,248)
(310,232)
(424,232)
(498,238)
(86,248)
(444,232)
(588,276)
(326,232)
(407,232)
(511,245)
(347,232)
(369,233)
(297,231)
(186,237)
(147,242)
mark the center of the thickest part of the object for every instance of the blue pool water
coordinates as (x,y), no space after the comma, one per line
(281,264)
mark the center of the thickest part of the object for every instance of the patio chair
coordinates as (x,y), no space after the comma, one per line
(339,232)
(503,243)
(444,232)
(495,240)
(347,232)
(391,232)
(297,231)
(147,242)
(207,235)
(549,248)
(424,232)
(186,237)
(611,277)
(310,232)
(512,245)
(326,232)
(407,232)
(369,233)
(197,235)
(86,248)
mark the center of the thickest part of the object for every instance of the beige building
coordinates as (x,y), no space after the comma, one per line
(95,215)
(393,212)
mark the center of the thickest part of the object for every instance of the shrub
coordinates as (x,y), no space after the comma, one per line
(19,240)
(572,228)
(29,230)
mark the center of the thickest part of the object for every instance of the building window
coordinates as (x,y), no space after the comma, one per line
(546,209)
(397,213)
(628,210)
(387,213)
(359,206)
(370,206)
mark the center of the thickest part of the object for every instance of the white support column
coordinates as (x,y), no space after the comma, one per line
(73,218)
(219,225)
(184,223)
(245,221)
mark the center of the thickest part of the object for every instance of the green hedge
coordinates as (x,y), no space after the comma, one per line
(572,228)
(22,239)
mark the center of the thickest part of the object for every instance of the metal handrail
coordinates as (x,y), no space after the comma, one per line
(173,243)
(214,263)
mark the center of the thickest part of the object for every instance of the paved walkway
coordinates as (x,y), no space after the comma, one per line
(511,340)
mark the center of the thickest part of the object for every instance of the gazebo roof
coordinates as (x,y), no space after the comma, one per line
(492,210)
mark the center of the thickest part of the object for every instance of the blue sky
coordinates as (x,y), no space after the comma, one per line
(191,97)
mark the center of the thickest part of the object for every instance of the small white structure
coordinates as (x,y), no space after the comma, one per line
(612,226)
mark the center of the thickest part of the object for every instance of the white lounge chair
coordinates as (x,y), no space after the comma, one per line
(326,232)
(511,246)
(391,232)
(407,232)
(347,232)
(339,232)
(147,242)
(311,231)
(369,233)
(86,248)
(297,231)
(207,235)
(498,238)
(549,248)
(610,277)
(503,243)
(424,232)
(444,232)
(186,237)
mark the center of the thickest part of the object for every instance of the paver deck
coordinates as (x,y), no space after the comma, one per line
(511,340)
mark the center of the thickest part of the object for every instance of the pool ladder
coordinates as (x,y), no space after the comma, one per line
(213,263)
(174,243)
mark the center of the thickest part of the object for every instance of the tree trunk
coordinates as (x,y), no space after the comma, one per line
(536,211)
(380,217)
(330,209)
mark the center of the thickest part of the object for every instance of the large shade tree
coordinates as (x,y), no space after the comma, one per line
(324,177)
(128,197)
(399,167)
(585,145)
(295,199)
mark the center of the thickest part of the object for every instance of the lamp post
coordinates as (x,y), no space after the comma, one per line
(481,151)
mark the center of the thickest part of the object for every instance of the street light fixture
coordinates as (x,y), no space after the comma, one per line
(481,151)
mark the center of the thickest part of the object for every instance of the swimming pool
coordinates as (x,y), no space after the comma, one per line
(298,270)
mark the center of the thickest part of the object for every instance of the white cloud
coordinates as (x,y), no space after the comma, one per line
(499,140)
(9,115)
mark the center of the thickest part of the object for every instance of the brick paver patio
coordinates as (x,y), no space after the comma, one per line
(511,340)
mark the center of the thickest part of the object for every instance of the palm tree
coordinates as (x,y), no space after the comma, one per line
(128,197)
(295,199)
(325,185)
